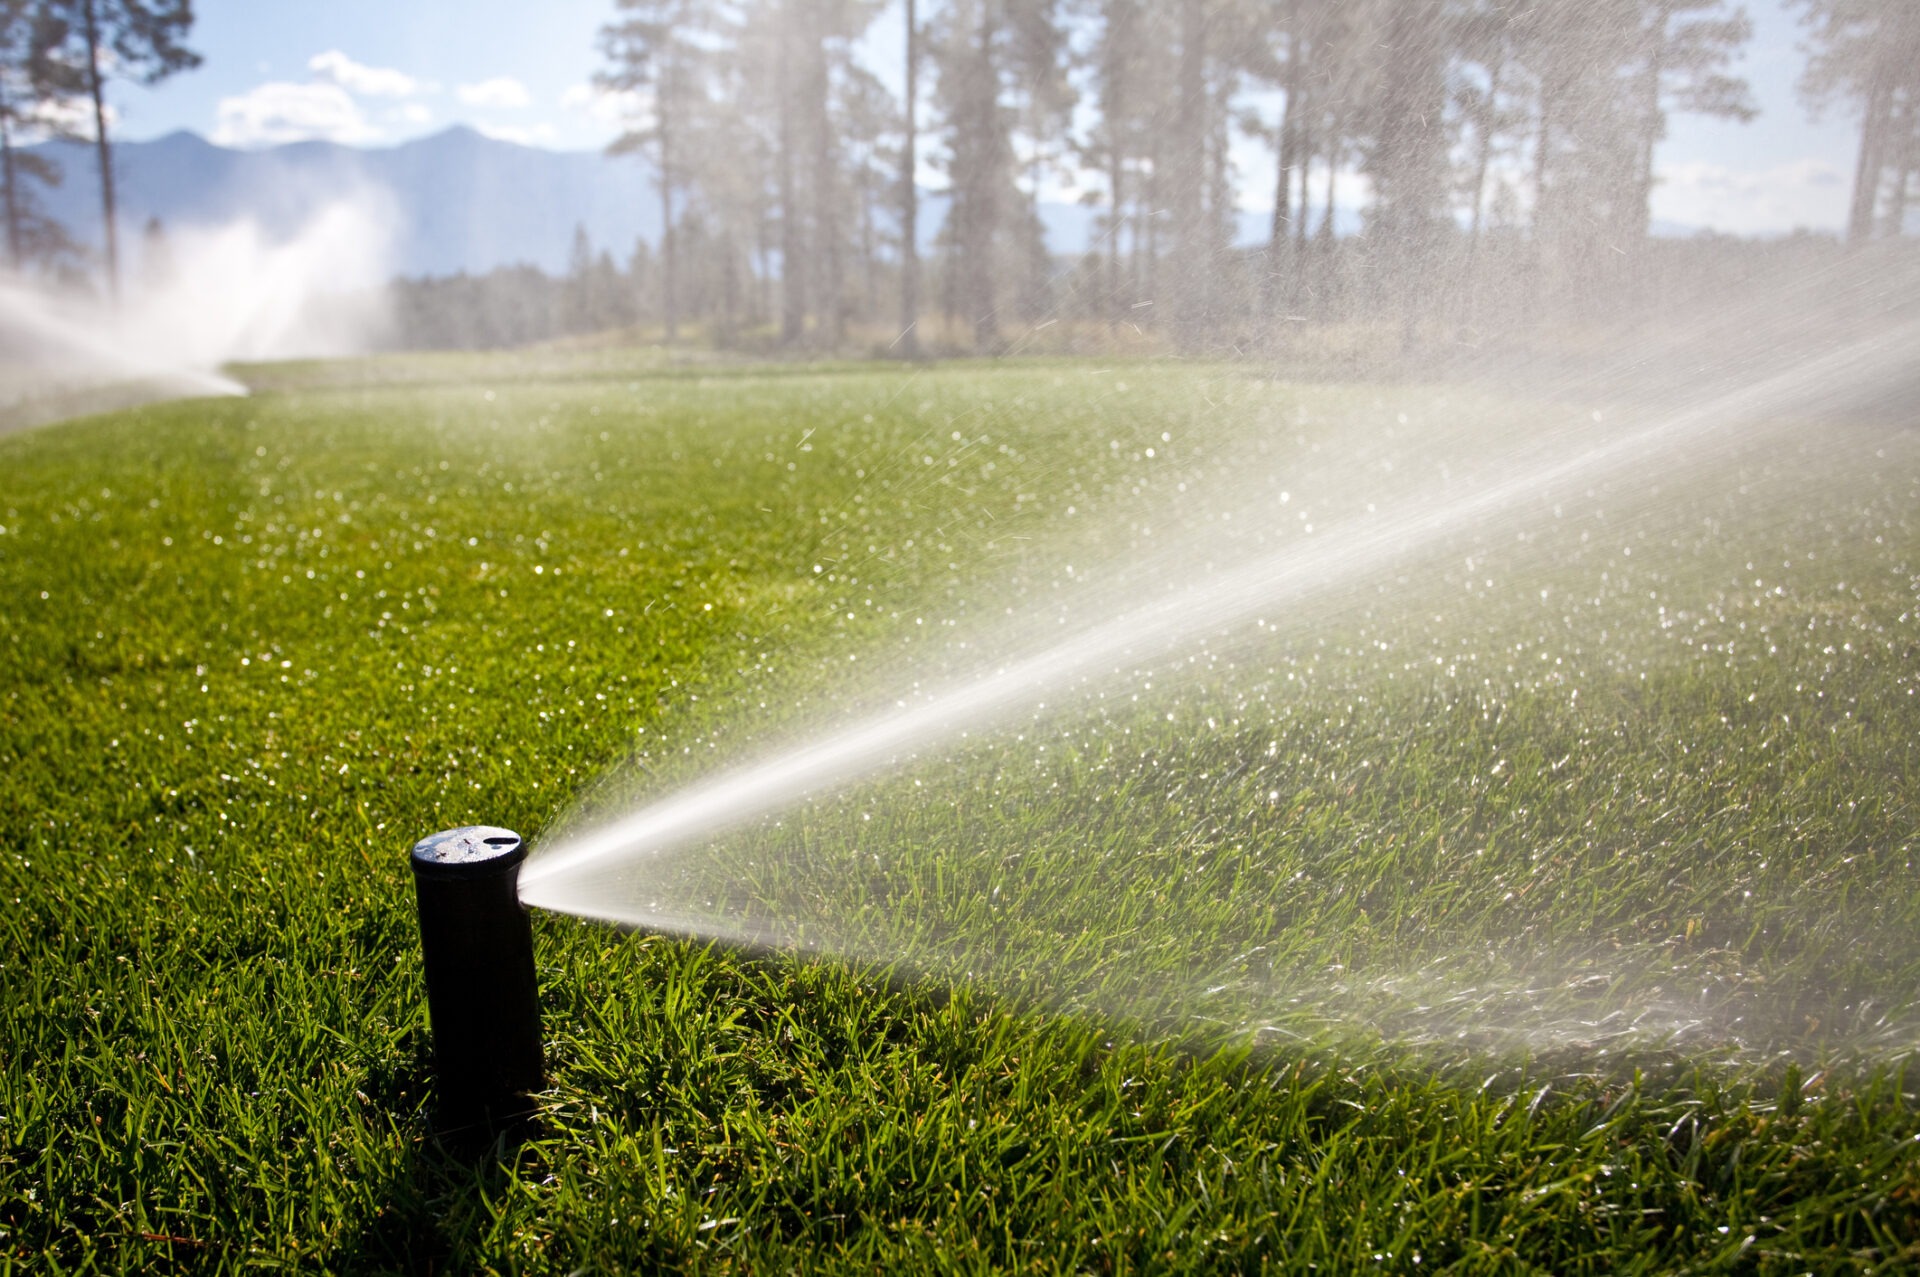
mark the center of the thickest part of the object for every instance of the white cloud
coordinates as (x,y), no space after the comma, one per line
(1805,192)
(63,117)
(501,90)
(335,67)
(523,135)
(328,107)
(277,112)
(605,106)
(1804,172)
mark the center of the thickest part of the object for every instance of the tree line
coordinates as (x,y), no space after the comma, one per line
(1503,149)
(1507,149)
(520,305)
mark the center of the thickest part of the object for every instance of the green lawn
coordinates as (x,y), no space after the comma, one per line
(1542,902)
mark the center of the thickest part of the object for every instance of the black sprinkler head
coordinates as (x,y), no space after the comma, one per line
(476,942)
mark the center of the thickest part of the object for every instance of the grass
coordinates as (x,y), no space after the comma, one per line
(1385,950)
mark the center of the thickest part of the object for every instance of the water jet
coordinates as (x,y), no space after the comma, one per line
(476,947)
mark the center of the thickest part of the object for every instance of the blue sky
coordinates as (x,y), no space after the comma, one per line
(377,72)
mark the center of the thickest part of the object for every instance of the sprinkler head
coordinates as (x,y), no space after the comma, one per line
(476,943)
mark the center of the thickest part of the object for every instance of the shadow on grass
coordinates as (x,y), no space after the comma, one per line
(434,1211)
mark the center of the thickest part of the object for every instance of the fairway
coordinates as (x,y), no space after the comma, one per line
(1540,898)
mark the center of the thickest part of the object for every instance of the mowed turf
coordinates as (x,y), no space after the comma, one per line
(252,649)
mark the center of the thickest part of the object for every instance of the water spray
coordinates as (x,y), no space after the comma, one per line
(579,874)
(476,944)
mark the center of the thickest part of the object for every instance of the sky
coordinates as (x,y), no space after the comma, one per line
(378,72)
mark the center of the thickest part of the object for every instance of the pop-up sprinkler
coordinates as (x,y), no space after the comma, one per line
(477,944)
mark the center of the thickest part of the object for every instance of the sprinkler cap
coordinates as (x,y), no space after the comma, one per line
(473,851)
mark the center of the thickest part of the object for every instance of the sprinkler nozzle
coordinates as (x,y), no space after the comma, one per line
(476,943)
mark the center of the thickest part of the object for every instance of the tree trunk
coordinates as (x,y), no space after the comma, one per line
(1483,155)
(1651,126)
(1866,175)
(1282,234)
(1907,130)
(1289,146)
(793,290)
(1541,222)
(729,291)
(869,258)
(1190,175)
(763,254)
(1223,218)
(985,214)
(1333,173)
(9,176)
(669,305)
(97,89)
(1142,244)
(1036,170)
(1304,153)
(1542,149)
(1149,268)
(1483,161)
(1316,274)
(910,204)
(828,238)
(1116,172)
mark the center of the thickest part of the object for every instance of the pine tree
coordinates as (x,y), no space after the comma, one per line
(140,40)
(1407,154)
(30,235)
(736,147)
(910,193)
(1583,157)
(979,159)
(868,120)
(1682,48)
(1037,70)
(576,307)
(653,51)
(1122,68)
(1867,53)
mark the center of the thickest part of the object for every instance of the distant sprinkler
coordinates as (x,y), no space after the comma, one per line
(477,944)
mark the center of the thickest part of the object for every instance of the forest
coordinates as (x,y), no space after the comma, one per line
(1501,155)
(1504,152)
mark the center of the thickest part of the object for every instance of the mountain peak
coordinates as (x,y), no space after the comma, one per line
(180,138)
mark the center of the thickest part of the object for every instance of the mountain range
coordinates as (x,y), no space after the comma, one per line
(461,201)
